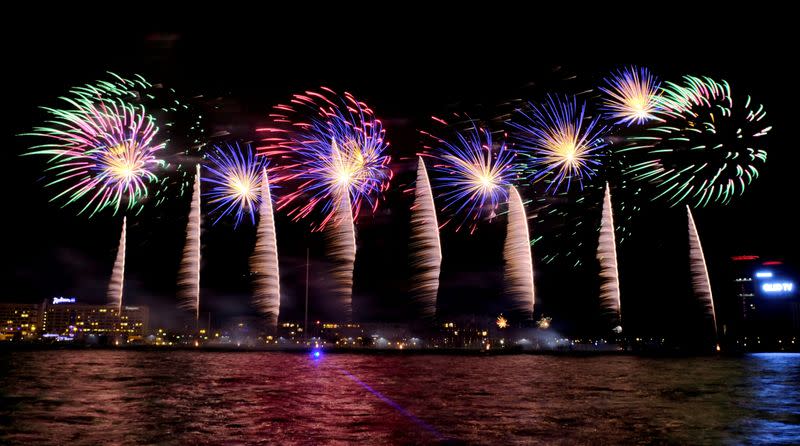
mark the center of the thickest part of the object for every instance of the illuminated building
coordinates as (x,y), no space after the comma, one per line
(763,309)
(20,321)
(743,268)
(63,318)
(69,318)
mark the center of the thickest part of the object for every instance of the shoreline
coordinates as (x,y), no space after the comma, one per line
(387,352)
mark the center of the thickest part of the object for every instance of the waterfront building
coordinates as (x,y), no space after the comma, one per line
(64,318)
(761,304)
(20,321)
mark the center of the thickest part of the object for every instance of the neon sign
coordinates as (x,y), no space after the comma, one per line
(778,287)
(63,300)
(743,258)
(763,274)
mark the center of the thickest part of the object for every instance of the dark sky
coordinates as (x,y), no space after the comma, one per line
(406,71)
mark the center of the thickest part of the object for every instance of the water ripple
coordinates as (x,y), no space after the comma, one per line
(183,397)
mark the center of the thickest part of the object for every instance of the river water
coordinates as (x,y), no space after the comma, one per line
(88,397)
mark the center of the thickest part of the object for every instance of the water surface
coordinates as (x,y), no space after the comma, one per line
(194,397)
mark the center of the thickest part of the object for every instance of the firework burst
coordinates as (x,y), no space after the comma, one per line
(558,142)
(473,174)
(631,96)
(328,145)
(130,89)
(708,148)
(182,127)
(103,153)
(235,176)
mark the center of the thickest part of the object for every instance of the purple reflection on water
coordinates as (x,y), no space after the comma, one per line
(196,397)
(396,406)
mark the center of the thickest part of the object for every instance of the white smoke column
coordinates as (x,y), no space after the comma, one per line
(264,261)
(426,249)
(518,260)
(117,283)
(607,257)
(189,273)
(341,236)
(701,284)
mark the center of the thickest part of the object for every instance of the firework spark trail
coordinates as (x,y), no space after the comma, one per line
(116,285)
(472,174)
(518,268)
(425,246)
(235,177)
(706,147)
(264,261)
(561,143)
(631,96)
(182,127)
(189,273)
(701,283)
(341,238)
(607,257)
(102,151)
(326,144)
(132,89)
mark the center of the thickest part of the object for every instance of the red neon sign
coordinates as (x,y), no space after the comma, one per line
(743,258)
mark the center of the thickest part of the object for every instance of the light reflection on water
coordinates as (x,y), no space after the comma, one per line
(180,397)
(773,382)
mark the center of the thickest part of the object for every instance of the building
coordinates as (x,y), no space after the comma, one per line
(762,304)
(743,270)
(20,321)
(65,317)
(134,322)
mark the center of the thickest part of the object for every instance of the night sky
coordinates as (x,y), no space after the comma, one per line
(406,75)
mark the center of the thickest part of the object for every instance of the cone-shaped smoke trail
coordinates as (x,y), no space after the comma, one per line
(264,261)
(518,261)
(701,284)
(341,236)
(607,257)
(189,274)
(117,283)
(426,249)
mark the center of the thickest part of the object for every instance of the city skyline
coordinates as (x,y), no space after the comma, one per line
(382,259)
(391,223)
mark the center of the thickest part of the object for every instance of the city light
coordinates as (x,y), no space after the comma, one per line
(744,258)
(778,287)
